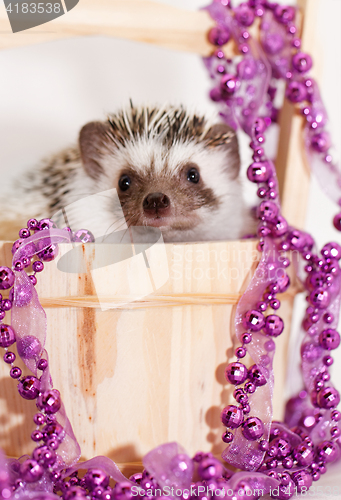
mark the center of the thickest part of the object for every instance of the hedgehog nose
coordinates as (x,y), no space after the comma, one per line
(156,204)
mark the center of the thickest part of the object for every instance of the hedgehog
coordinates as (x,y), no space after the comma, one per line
(162,167)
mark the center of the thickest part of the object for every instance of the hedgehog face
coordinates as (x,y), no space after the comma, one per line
(171,170)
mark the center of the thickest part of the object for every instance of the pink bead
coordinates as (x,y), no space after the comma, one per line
(329,339)
(284,14)
(302,479)
(31,471)
(236,373)
(267,211)
(96,477)
(331,250)
(253,428)
(210,468)
(259,171)
(29,387)
(304,454)
(6,278)
(232,416)
(49,401)
(227,437)
(273,325)
(280,226)
(319,298)
(296,92)
(327,451)
(253,320)
(7,335)
(273,43)
(328,398)
(229,84)
(302,62)
(244,15)
(256,375)
(321,142)
(218,35)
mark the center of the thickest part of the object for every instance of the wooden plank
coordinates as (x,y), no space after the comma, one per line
(291,164)
(140,20)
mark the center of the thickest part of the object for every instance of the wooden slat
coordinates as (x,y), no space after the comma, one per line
(139,20)
(292,169)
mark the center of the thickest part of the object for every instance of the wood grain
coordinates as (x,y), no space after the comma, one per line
(149,372)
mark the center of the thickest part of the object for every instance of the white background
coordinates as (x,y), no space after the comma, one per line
(49,91)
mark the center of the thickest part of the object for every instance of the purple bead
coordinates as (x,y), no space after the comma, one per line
(36,436)
(9,357)
(321,142)
(302,479)
(46,224)
(273,325)
(284,491)
(6,278)
(244,14)
(215,95)
(288,463)
(331,250)
(33,279)
(319,298)
(31,471)
(335,415)
(315,280)
(227,437)
(296,92)
(328,398)
(29,347)
(302,62)
(122,491)
(75,493)
(32,224)
(279,227)
(83,236)
(232,416)
(327,451)
(329,339)
(250,387)
(263,445)
(38,266)
(49,401)
(229,84)
(15,372)
(256,376)
(247,69)
(218,35)
(39,419)
(44,456)
(96,477)
(283,283)
(236,373)
(275,304)
(49,253)
(24,233)
(52,430)
(253,428)
(259,171)
(335,432)
(29,387)
(7,335)
(304,454)
(240,352)
(210,468)
(310,352)
(284,14)
(42,364)
(273,43)
(282,446)
(267,211)
(328,361)
(246,338)
(253,320)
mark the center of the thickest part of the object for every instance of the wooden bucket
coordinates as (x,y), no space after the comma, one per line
(151,369)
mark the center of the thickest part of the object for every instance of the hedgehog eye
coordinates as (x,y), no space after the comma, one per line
(124,182)
(193,175)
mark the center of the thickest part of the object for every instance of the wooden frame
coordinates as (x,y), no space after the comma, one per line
(147,21)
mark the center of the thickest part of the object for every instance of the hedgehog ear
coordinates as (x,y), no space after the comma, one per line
(223,136)
(92,141)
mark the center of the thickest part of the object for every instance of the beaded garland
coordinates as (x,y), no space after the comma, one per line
(277,458)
